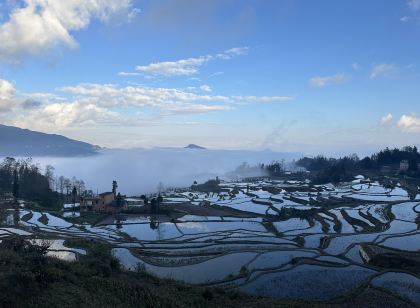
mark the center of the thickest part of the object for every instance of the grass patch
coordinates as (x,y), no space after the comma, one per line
(300,240)
(35,206)
(269,226)
(92,247)
(43,219)
(91,218)
(123,235)
(27,217)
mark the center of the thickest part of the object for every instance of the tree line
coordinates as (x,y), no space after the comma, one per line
(65,185)
(344,168)
(25,180)
(273,169)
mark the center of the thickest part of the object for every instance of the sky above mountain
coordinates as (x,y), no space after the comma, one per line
(306,76)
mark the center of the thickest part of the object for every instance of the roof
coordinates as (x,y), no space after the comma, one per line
(106,193)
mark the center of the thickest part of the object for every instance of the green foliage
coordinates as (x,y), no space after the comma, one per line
(300,240)
(207,294)
(123,235)
(27,216)
(91,218)
(15,188)
(335,170)
(394,156)
(244,271)
(29,279)
(396,261)
(44,219)
(269,226)
(208,187)
(24,180)
(153,206)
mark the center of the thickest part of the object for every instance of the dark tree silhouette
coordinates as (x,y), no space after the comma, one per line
(153,206)
(15,185)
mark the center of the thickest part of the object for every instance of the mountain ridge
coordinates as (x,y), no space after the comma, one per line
(15,141)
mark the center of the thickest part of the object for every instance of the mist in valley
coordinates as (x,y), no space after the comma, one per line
(139,171)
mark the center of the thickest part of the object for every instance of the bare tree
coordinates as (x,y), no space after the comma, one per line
(67,186)
(61,184)
(49,174)
(81,187)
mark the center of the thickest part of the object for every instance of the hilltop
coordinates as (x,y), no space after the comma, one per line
(16,141)
(194,146)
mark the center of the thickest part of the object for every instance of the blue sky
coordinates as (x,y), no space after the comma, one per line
(307,76)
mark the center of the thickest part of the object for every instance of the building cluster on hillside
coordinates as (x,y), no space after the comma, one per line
(405,165)
(107,202)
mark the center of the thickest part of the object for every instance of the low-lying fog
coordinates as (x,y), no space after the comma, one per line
(140,170)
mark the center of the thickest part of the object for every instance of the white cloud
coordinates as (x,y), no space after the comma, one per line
(133,14)
(166,99)
(128,74)
(109,95)
(7,91)
(63,115)
(409,123)
(174,68)
(106,105)
(184,67)
(414,5)
(232,52)
(196,108)
(44,96)
(262,99)
(216,74)
(405,18)
(40,25)
(319,81)
(355,66)
(205,88)
(387,120)
(384,70)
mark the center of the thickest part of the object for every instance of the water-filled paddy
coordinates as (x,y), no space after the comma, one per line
(308,282)
(302,242)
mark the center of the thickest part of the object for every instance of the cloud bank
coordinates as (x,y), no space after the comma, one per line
(94,105)
(139,170)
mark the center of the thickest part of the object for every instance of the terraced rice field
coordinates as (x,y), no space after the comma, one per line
(294,240)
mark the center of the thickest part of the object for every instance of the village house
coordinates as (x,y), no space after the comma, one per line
(404,165)
(106,202)
(6,198)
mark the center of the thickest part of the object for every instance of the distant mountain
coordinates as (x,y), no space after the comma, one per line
(15,141)
(194,146)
